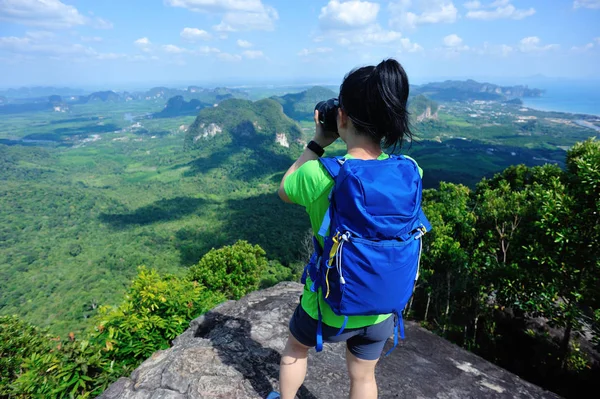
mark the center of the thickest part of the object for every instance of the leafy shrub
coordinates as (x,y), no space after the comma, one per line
(156,310)
(18,341)
(233,270)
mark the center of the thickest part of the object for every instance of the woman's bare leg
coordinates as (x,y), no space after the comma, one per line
(362,377)
(292,367)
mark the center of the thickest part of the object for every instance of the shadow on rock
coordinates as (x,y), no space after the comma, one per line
(232,339)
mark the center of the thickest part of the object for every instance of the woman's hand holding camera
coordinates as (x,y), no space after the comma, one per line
(322,137)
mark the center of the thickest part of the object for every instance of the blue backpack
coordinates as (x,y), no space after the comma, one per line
(372,239)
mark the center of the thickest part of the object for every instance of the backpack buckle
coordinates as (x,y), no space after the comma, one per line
(422,230)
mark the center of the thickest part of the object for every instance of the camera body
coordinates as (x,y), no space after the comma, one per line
(327,115)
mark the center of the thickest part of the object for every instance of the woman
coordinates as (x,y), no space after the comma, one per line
(372,112)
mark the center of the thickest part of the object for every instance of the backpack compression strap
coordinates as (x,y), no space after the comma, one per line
(332,166)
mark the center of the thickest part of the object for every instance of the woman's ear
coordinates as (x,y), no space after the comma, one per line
(342,119)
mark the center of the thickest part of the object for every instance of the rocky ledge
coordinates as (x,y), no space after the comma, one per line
(233,352)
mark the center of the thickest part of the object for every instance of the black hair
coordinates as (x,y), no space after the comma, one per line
(375,99)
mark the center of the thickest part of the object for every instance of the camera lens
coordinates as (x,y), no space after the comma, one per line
(327,114)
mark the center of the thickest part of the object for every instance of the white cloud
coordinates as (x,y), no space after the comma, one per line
(244,43)
(172,49)
(431,12)
(247,21)
(95,39)
(253,54)
(409,47)
(207,50)
(348,14)
(110,56)
(144,44)
(500,9)
(597,40)
(586,4)
(144,41)
(100,23)
(239,15)
(582,49)
(218,5)
(454,43)
(33,46)
(194,34)
(452,40)
(373,35)
(472,5)
(505,50)
(40,35)
(531,44)
(229,57)
(51,14)
(319,50)
(45,13)
(352,24)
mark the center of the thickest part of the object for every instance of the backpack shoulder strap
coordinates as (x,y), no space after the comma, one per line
(332,165)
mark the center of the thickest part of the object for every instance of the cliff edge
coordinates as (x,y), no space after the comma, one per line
(233,352)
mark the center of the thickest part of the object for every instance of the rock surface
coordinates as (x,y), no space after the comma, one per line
(233,352)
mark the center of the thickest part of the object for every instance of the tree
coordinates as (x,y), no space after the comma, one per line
(233,270)
(567,248)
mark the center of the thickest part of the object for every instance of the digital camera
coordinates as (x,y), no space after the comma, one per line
(328,113)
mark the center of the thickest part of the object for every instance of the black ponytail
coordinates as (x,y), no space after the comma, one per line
(375,99)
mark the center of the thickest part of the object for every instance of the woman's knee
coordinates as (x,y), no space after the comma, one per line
(295,348)
(360,370)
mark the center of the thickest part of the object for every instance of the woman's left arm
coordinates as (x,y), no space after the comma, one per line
(322,139)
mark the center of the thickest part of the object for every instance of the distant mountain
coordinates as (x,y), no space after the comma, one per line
(104,96)
(208,96)
(243,140)
(177,106)
(301,106)
(422,108)
(52,103)
(244,123)
(37,92)
(470,90)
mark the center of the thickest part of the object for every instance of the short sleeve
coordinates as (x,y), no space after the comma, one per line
(307,183)
(420,170)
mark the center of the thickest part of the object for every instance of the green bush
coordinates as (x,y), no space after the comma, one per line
(18,340)
(156,310)
(233,270)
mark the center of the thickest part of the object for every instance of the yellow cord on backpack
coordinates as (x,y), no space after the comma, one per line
(334,247)
(327,283)
(332,253)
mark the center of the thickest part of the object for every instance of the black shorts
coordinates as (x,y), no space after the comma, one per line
(365,343)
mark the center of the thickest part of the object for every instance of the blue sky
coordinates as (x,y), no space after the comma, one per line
(137,43)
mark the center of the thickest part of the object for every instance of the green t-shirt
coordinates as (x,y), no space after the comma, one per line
(309,186)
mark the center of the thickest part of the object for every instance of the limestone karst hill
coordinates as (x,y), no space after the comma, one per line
(233,352)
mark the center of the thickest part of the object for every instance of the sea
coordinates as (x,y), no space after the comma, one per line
(576,97)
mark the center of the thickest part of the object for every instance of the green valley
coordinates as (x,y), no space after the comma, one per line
(93,190)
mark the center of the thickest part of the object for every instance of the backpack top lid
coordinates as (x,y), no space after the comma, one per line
(376,199)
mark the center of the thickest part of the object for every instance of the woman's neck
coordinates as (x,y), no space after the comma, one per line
(363,148)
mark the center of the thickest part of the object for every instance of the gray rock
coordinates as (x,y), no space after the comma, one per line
(233,352)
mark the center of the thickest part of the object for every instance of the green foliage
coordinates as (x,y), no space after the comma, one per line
(233,270)
(18,341)
(74,369)
(523,244)
(156,310)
